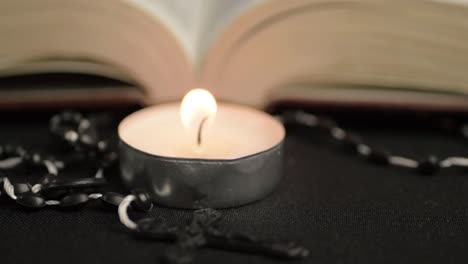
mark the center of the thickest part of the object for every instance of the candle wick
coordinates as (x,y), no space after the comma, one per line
(200,129)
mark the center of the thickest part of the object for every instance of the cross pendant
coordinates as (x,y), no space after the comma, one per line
(203,233)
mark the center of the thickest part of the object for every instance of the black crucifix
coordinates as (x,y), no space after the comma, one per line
(202,232)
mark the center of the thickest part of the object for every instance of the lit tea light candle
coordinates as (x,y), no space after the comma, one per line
(201,154)
(197,111)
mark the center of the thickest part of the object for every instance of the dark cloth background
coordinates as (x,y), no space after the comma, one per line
(340,207)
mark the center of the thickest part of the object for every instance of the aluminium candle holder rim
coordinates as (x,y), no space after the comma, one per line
(201,160)
(194,183)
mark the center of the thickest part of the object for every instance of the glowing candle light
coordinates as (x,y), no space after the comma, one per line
(197,111)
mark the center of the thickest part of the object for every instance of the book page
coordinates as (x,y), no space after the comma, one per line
(195,23)
(399,45)
(217,15)
(461,2)
(131,40)
(181,17)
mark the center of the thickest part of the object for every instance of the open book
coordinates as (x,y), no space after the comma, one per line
(389,53)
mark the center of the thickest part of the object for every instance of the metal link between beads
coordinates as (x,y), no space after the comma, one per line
(454,161)
(123,214)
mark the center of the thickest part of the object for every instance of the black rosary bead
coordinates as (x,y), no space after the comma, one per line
(351,141)
(54,194)
(21,188)
(429,166)
(76,117)
(289,117)
(74,199)
(325,124)
(142,201)
(74,184)
(70,116)
(378,156)
(66,116)
(108,160)
(105,164)
(21,152)
(30,158)
(47,178)
(9,150)
(31,200)
(113,198)
(88,139)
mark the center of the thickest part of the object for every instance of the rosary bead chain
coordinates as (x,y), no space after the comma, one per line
(12,156)
(23,195)
(69,127)
(19,157)
(77,132)
(428,166)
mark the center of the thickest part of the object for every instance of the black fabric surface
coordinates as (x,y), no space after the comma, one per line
(342,208)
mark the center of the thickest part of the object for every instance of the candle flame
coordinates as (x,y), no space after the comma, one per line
(198,107)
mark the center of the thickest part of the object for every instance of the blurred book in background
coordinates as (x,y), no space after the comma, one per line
(402,54)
